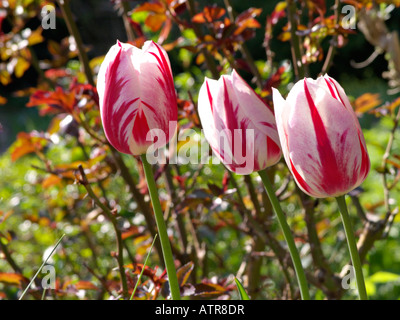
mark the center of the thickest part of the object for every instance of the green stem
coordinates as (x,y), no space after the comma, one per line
(351,242)
(162,230)
(41,267)
(301,277)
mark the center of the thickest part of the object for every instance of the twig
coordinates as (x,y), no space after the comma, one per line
(179,219)
(325,275)
(332,47)
(143,206)
(294,39)
(208,57)
(73,30)
(244,50)
(120,258)
(125,16)
(385,157)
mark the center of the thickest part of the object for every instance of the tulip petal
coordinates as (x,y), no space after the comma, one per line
(318,137)
(118,98)
(137,95)
(157,92)
(239,126)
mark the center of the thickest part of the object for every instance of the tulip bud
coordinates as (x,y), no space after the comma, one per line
(238,125)
(137,97)
(321,138)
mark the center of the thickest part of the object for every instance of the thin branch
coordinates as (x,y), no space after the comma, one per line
(110,215)
(244,50)
(332,47)
(73,30)
(294,40)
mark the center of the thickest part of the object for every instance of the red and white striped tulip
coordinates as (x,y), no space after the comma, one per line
(136,95)
(321,138)
(238,125)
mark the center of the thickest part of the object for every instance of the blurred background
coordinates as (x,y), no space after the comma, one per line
(41,197)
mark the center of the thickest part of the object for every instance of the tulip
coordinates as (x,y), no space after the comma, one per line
(321,138)
(136,95)
(138,101)
(231,111)
(236,121)
(324,148)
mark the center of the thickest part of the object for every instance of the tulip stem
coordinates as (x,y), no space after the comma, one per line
(162,230)
(351,242)
(294,254)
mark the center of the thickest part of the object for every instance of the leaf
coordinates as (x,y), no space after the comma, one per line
(279,12)
(132,231)
(5,76)
(155,21)
(242,291)
(144,266)
(246,20)
(3,100)
(184,272)
(394,104)
(4,216)
(35,37)
(384,277)
(209,289)
(85,285)
(367,102)
(155,7)
(284,36)
(41,267)
(51,181)
(52,102)
(26,143)
(21,66)
(12,278)
(209,14)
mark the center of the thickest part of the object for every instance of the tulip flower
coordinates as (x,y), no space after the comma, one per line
(236,121)
(321,138)
(136,95)
(324,147)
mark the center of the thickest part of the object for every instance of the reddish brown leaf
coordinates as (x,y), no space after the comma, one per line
(279,12)
(152,6)
(132,231)
(209,14)
(27,143)
(246,20)
(367,102)
(209,289)
(184,272)
(155,21)
(85,285)
(51,181)
(53,101)
(12,278)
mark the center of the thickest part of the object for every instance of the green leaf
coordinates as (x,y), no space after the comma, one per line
(41,267)
(384,277)
(242,292)
(144,266)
